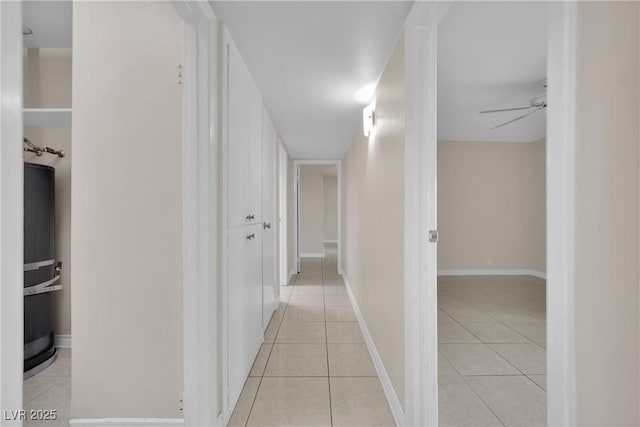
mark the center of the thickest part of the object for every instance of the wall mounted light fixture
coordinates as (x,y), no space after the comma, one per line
(368,120)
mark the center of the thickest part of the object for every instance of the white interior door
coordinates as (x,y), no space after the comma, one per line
(238,96)
(244,304)
(269,282)
(282,212)
(254,123)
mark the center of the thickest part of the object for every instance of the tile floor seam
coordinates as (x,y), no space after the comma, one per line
(266,363)
(472,389)
(466,329)
(480,397)
(521,334)
(526,338)
(497,321)
(25,403)
(499,355)
(326,343)
(531,379)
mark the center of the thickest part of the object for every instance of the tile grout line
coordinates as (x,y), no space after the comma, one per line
(489,345)
(492,349)
(473,390)
(462,376)
(268,357)
(326,333)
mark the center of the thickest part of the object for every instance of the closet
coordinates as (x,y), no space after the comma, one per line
(249,263)
(47,181)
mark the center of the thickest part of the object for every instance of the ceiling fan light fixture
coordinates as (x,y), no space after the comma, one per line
(535,104)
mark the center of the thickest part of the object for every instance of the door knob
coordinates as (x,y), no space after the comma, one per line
(266,225)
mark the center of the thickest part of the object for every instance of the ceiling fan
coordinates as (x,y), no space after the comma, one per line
(536,104)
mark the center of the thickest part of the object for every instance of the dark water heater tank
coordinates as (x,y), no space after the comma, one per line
(41,274)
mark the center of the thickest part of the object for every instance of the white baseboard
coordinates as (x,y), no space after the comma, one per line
(126,422)
(312,255)
(497,272)
(387,387)
(329,241)
(291,274)
(62,341)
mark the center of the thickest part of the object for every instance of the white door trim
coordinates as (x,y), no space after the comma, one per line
(296,207)
(560,161)
(421,375)
(421,345)
(11,210)
(200,213)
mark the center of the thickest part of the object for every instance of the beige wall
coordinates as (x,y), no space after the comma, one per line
(127,210)
(330,207)
(47,78)
(47,83)
(491,205)
(373,243)
(311,209)
(607,214)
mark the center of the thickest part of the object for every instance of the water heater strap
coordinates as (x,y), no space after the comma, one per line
(36,265)
(43,287)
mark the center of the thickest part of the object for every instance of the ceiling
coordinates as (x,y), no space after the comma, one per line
(491,55)
(51,23)
(308,59)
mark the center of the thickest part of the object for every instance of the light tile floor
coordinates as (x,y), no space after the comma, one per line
(492,356)
(313,368)
(49,390)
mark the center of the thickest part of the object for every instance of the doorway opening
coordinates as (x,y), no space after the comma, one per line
(318,210)
(47,58)
(492,214)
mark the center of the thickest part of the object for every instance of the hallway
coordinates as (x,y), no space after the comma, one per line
(314,368)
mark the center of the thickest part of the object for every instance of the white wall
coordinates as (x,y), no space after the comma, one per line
(607,214)
(311,210)
(127,210)
(330,207)
(491,206)
(47,83)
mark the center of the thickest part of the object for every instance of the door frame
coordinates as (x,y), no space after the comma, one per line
(421,370)
(283,248)
(201,338)
(11,210)
(275,181)
(296,207)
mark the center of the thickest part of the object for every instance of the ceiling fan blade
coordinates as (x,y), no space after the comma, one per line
(516,119)
(507,109)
